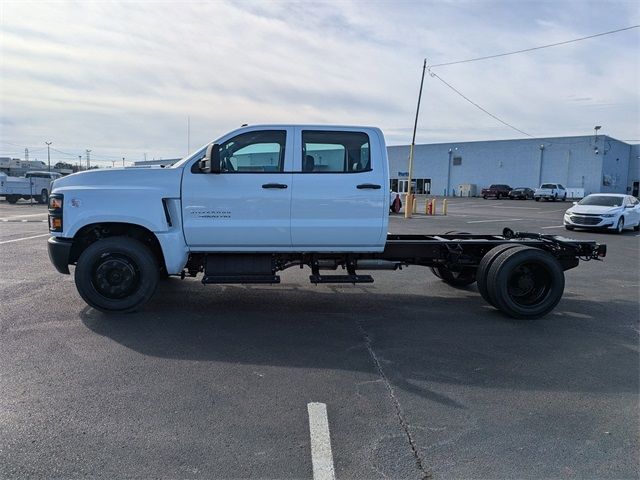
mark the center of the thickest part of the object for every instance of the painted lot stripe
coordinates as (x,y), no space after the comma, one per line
(497,220)
(24,238)
(553,226)
(522,208)
(321,456)
(5,220)
(21,216)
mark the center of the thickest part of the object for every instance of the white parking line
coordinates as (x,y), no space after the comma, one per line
(12,217)
(498,220)
(554,226)
(24,238)
(522,208)
(321,456)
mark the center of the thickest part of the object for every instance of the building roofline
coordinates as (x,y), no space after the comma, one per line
(539,139)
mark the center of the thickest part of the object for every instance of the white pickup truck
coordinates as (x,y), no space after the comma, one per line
(262,199)
(35,185)
(550,191)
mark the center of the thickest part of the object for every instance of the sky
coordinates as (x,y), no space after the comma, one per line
(125,79)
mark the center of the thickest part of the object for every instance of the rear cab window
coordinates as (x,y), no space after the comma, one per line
(326,151)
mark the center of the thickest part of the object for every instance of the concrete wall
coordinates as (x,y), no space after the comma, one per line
(571,161)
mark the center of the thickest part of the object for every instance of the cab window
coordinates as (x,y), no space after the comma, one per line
(335,152)
(254,152)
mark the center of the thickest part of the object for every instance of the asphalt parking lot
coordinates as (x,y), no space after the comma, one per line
(419,379)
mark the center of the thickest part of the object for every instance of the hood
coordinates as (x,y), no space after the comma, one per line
(593,209)
(166,179)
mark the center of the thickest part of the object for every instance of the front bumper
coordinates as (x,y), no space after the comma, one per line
(59,253)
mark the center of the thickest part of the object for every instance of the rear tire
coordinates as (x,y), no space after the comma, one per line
(483,269)
(116,274)
(525,282)
(12,199)
(537,199)
(44,197)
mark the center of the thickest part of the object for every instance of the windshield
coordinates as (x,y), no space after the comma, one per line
(199,155)
(548,185)
(601,200)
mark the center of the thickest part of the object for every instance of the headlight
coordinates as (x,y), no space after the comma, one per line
(608,215)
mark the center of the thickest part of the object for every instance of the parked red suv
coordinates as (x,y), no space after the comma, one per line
(496,190)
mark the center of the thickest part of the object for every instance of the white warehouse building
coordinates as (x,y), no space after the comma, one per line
(585,164)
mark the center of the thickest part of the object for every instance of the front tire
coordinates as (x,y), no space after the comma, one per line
(116,274)
(620,226)
(537,199)
(568,227)
(12,199)
(525,282)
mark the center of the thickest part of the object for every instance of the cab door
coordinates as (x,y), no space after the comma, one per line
(246,207)
(340,196)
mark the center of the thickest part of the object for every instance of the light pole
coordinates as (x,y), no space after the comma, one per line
(88,159)
(122,162)
(449,172)
(79,162)
(48,155)
(540,170)
(408,208)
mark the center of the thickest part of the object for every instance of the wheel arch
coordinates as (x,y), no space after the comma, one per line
(93,232)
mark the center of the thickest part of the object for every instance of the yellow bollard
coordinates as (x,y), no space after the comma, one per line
(433,208)
(415,203)
(444,206)
(426,206)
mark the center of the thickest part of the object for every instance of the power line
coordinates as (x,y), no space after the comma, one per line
(476,105)
(534,48)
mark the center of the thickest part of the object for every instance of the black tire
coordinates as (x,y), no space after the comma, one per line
(525,282)
(116,274)
(483,269)
(484,196)
(44,197)
(564,198)
(537,199)
(12,199)
(498,196)
(636,228)
(568,227)
(619,227)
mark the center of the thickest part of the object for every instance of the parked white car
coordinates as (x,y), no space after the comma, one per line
(612,211)
(550,191)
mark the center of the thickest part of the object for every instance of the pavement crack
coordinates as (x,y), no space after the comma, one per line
(396,403)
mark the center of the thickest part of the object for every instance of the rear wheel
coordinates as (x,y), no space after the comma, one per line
(537,199)
(12,199)
(483,269)
(525,282)
(44,196)
(116,274)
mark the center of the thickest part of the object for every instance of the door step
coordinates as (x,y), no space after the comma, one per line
(241,279)
(340,279)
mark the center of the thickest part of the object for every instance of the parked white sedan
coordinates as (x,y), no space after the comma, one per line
(612,211)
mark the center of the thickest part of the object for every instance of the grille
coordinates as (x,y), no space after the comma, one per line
(590,220)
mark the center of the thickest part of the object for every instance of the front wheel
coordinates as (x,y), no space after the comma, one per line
(568,227)
(537,199)
(116,274)
(620,226)
(12,199)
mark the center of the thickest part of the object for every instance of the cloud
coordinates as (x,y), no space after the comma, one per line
(122,78)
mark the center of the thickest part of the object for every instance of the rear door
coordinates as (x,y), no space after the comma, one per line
(246,207)
(340,193)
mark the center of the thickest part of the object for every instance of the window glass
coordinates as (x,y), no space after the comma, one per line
(261,151)
(335,152)
(548,185)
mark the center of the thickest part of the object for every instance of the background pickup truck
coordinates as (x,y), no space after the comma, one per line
(550,191)
(262,199)
(496,190)
(33,184)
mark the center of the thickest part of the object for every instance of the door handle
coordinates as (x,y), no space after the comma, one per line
(274,185)
(372,186)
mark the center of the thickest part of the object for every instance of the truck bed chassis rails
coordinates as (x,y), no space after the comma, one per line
(519,273)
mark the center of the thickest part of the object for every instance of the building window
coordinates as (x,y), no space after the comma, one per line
(457,161)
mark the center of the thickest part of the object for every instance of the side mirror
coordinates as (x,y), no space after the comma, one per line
(629,206)
(211,161)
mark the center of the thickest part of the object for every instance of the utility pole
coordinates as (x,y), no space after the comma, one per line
(48,155)
(26,154)
(123,162)
(88,159)
(79,162)
(113,163)
(408,204)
